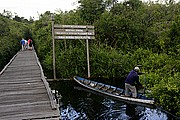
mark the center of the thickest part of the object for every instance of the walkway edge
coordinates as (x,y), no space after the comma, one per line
(2,71)
(53,101)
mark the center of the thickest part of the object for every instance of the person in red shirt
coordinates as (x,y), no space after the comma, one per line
(30,44)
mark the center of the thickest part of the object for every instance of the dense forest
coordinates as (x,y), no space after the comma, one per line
(11,31)
(127,33)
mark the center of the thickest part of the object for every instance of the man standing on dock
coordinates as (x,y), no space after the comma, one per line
(130,82)
(23,42)
(29,44)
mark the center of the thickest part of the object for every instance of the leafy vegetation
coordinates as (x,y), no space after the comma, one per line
(127,34)
(11,32)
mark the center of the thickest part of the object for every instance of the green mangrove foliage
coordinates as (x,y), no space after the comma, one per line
(11,32)
(127,34)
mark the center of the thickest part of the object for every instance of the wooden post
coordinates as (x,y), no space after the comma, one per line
(87,46)
(53,42)
(74,32)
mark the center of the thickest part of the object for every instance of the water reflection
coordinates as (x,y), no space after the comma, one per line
(69,113)
(82,105)
(150,114)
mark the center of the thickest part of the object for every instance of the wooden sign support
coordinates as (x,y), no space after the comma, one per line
(53,42)
(72,32)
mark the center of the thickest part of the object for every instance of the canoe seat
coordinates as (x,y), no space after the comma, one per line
(87,82)
(112,89)
(105,88)
(100,85)
(93,84)
(108,86)
(120,91)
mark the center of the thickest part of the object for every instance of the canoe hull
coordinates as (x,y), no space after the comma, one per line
(111,91)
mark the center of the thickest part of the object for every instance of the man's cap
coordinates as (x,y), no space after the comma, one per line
(136,68)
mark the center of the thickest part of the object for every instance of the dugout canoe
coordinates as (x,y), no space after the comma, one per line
(112,91)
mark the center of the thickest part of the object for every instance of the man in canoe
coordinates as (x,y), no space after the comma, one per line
(130,82)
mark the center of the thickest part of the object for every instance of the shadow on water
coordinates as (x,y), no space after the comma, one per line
(80,104)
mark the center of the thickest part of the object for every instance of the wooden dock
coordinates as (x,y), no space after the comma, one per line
(24,92)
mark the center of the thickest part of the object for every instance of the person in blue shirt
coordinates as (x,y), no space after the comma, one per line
(22,42)
(130,82)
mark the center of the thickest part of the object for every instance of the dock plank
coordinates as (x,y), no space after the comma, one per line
(24,92)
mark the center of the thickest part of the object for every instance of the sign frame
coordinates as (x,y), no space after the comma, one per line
(72,32)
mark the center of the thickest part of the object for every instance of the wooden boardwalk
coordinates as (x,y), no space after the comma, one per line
(24,91)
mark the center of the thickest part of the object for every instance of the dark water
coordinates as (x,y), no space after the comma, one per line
(79,104)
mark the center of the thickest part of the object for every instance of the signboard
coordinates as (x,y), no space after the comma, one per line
(74,26)
(73,32)
(75,37)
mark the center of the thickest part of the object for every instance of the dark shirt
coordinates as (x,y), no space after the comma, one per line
(132,78)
